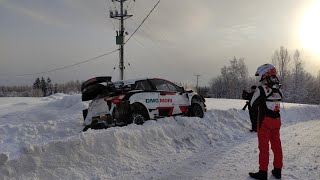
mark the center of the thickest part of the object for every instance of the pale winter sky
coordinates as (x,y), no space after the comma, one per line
(180,38)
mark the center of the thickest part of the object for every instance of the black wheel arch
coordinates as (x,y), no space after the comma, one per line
(139,107)
(197,98)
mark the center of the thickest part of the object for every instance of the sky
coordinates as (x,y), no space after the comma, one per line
(178,41)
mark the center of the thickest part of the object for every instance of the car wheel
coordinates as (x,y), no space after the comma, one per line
(139,114)
(196,110)
(138,118)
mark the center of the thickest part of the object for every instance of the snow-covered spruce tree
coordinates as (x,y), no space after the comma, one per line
(43,86)
(49,87)
(36,89)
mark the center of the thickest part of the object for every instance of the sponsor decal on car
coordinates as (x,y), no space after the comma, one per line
(152,100)
(165,100)
(157,100)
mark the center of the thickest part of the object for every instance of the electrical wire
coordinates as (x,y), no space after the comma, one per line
(94,58)
(142,22)
(147,35)
(65,67)
(162,35)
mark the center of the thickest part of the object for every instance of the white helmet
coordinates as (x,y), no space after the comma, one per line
(266,71)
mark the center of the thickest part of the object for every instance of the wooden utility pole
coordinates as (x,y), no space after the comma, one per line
(197,86)
(121,16)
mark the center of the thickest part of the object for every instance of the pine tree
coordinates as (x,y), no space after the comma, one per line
(43,86)
(37,92)
(49,87)
(36,84)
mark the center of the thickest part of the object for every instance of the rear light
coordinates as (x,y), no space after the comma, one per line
(114,99)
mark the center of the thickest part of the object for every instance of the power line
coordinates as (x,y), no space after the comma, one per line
(65,67)
(94,58)
(147,35)
(142,22)
(151,31)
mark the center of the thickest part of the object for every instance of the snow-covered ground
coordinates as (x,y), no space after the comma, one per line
(41,138)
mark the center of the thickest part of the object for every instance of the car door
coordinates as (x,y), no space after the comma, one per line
(171,101)
(166,97)
(148,97)
(180,99)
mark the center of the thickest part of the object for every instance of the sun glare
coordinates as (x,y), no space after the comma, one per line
(310,29)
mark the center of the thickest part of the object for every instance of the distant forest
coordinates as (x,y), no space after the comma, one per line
(298,85)
(41,87)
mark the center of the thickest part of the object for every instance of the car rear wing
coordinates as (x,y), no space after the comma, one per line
(91,88)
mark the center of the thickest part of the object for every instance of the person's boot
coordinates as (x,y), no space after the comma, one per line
(276,172)
(261,175)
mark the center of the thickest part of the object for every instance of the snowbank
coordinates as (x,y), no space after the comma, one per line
(48,144)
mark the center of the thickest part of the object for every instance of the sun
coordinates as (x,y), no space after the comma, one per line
(310,29)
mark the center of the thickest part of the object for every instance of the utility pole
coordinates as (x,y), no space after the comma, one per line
(197,87)
(121,16)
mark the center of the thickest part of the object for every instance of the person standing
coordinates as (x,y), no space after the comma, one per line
(253,111)
(267,98)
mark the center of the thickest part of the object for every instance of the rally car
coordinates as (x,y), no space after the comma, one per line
(135,101)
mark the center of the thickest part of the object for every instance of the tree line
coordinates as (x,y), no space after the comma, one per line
(41,88)
(298,85)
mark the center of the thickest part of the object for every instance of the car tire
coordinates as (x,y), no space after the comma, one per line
(139,115)
(196,110)
(138,118)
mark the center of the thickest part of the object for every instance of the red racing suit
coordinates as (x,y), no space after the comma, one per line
(267,99)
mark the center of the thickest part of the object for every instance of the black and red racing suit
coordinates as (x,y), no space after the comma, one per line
(267,100)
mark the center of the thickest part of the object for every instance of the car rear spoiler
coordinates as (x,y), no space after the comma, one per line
(95,80)
(91,88)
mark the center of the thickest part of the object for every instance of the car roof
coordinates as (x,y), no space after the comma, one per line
(129,81)
(132,81)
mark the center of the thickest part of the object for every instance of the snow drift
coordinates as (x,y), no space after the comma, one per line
(42,140)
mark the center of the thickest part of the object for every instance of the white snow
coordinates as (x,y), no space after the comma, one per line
(41,138)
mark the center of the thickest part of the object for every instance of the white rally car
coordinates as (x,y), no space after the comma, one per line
(135,101)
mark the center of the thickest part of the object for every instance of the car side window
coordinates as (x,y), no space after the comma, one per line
(172,87)
(143,85)
(160,84)
(164,85)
